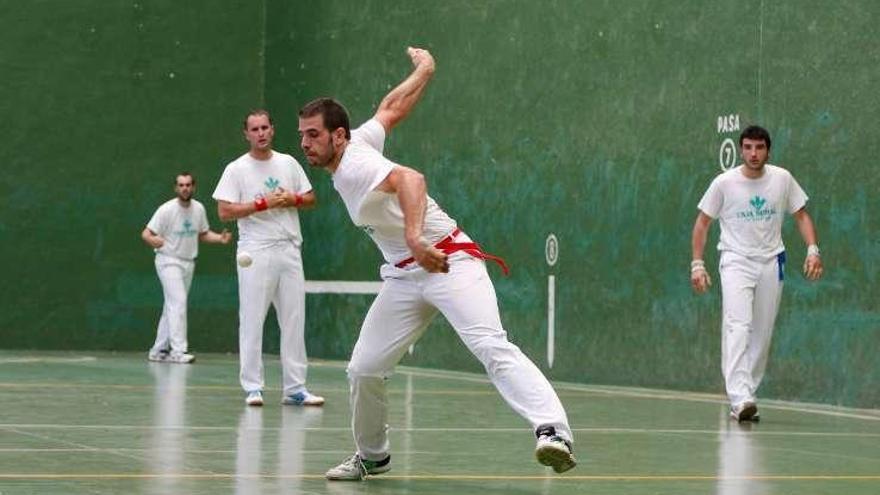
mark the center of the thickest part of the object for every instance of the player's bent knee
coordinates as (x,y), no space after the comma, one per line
(497,356)
(357,372)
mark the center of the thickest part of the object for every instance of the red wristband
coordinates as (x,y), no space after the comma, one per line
(261,204)
(297,200)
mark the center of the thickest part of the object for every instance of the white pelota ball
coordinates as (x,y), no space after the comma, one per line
(244,259)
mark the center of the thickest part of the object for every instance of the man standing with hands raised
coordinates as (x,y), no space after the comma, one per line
(264,190)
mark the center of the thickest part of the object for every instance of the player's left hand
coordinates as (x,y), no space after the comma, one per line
(288,198)
(813,267)
(277,198)
(225,237)
(430,258)
(421,58)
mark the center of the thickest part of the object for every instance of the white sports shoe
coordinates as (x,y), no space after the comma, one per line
(355,469)
(304,398)
(180,358)
(552,450)
(747,411)
(157,357)
(254,398)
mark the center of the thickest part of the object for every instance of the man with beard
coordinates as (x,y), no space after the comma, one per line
(174,233)
(431,266)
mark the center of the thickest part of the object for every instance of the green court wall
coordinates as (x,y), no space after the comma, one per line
(104,102)
(599,122)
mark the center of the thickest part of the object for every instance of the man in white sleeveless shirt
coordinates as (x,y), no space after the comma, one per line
(750,201)
(174,232)
(264,190)
(431,266)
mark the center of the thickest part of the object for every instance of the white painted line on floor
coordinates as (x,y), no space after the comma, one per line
(618,391)
(38,359)
(341,287)
(611,430)
(453,477)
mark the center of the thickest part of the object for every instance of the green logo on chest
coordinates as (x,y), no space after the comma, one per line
(272,183)
(760,212)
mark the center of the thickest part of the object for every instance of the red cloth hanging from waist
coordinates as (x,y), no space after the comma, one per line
(449,246)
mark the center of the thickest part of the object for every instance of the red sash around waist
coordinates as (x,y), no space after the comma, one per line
(449,246)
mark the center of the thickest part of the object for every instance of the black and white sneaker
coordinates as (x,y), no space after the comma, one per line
(356,469)
(552,450)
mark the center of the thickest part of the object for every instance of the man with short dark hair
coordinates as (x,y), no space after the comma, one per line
(431,266)
(264,190)
(174,233)
(750,201)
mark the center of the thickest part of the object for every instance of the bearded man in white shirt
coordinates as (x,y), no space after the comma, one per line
(431,266)
(750,201)
(174,232)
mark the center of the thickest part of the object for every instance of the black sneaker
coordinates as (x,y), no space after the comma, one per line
(747,411)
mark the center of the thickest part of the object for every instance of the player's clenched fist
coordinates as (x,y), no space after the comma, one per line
(277,198)
(430,258)
(700,279)
(421,58)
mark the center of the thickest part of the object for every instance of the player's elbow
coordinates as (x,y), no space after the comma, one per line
(388,116)
(225,213)
(309,201)
(415,179)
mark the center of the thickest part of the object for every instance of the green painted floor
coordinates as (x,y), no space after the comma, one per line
(102,423)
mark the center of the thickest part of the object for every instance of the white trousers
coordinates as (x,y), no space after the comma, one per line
(405,305)
(751,290)
(176,275)
(275,277)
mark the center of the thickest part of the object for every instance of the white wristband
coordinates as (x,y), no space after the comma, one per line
(697,265)
(812,250)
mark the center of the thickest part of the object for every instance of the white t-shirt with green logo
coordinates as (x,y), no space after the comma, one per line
(379,214)
(751,211)
(246,179)
(180,226)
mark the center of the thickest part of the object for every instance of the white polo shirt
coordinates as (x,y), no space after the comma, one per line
(246,179)
(180,226)
(751,211)
(361,169)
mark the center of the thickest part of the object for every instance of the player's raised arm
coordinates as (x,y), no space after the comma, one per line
(400,101)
